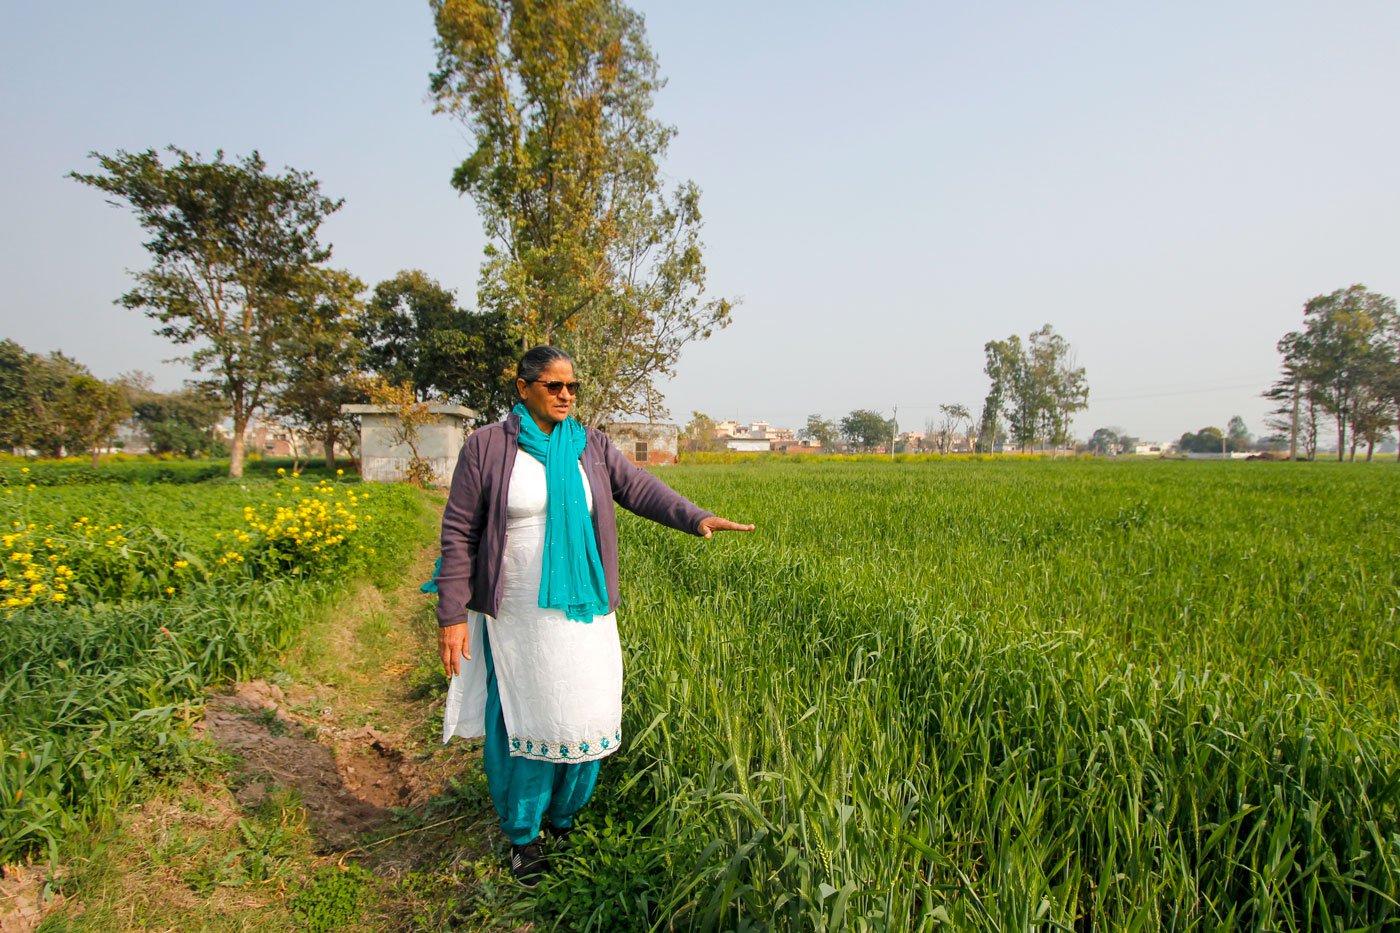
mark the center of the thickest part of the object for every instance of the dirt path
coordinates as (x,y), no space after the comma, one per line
(330,771)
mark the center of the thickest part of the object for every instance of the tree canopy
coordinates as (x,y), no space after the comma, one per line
(821,430)
(1035,389)
(867,429)
(416,333)
(179,422)
(40,405)
(1344,365)
(319,354)
(588,251)
(699,435)
(230,246)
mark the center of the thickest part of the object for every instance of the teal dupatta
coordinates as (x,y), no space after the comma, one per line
(572,579)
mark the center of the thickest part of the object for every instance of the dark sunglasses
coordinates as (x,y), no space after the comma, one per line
(555,387)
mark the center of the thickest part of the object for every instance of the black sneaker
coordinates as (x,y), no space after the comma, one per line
(527,863)
(558,835)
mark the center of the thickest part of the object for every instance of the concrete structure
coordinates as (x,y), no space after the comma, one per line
(384,461)
(645,443)
(792,445)
(748,444)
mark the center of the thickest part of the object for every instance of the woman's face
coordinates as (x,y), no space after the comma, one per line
(546,407)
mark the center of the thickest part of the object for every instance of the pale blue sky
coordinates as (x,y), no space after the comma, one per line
(887,186)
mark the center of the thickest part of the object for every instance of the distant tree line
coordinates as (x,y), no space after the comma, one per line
(52,403)
(1341,372)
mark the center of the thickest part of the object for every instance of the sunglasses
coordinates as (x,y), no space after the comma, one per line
(555,387)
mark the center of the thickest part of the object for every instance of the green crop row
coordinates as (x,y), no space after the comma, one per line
(123,605)
(1133,696)
(120,469)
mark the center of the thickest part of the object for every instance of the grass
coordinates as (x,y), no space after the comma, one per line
(1071,695)
(125,603)
(923,695)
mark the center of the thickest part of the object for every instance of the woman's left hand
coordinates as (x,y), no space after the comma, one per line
(708,526)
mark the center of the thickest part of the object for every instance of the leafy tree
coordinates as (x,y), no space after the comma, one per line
(819,429)
(1370,413)
(1001,410)
(1059,386)
(14,394)
(180,422)
(1344,349)
(1387,379)
(588,251)
(1105,441)
(953,420)
(1035,389)
(230,245)
(1205,441)
(31,392)
(1237,435)
(320,356)
(866,429)
(90,411)
(416,333)
(699,434)
(1290,391)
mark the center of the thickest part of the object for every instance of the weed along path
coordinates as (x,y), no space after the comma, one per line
(326,800)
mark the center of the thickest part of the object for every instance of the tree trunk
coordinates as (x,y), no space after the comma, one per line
(1341,437)
(330,448)
(235,454)
(94,456)
(1293,431)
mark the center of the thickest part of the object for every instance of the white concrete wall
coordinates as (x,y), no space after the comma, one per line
(383,461)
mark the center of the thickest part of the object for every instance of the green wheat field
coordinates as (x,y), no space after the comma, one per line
(1061,695)
(1058,695)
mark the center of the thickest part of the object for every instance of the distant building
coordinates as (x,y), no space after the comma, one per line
(270,440)
(645,443)
(792,445)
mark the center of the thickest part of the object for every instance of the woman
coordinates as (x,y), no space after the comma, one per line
(529,573)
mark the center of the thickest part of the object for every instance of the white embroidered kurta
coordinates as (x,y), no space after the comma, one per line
(560,681)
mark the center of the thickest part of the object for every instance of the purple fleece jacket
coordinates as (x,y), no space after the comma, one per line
(474,522)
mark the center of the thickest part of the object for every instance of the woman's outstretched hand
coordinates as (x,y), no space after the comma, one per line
(709,526)
(453,645)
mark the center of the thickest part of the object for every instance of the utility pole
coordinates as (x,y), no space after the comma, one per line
(894,430)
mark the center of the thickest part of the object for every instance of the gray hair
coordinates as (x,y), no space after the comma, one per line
(536,360)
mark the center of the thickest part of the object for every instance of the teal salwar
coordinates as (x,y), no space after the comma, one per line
(526,791)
